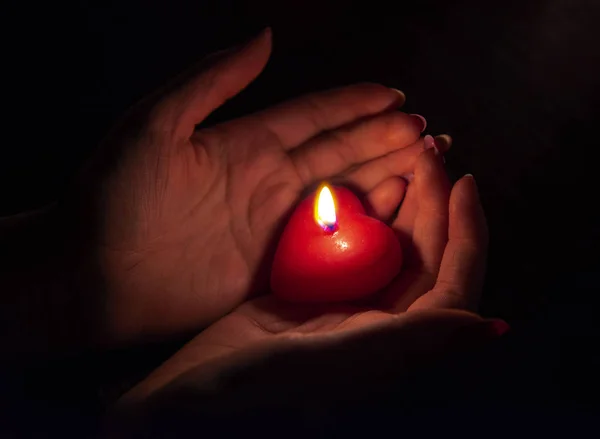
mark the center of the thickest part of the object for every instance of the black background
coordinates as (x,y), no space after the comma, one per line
(515,83)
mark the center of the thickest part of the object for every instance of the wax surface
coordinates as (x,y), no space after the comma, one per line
(312,265)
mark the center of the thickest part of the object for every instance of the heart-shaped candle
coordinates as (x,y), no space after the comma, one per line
(331,250)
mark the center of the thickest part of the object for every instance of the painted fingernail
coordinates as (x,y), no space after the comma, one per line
(422,121)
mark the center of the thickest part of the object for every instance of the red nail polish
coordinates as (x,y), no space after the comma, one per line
(422,121)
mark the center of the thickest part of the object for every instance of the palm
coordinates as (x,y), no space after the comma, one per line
(258,187)
(191,214)
(415,288)
(443,270)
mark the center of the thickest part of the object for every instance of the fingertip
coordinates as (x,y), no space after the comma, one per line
(190,100)
(383,200)
(381,98)
(267,35)
(399,129)
(467,183)
(443,142)
(429,162)
(397,185)
(466,210)
(255,47)
(401,96)
(262,44)
(465,193)
(471,187)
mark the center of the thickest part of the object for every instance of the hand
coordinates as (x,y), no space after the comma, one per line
(184,218)
(445,235)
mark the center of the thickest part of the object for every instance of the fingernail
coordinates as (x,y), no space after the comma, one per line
(431,143)
(401,93)
(470,176)
(422,121)
(443,142)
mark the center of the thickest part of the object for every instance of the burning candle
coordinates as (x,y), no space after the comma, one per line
(331,250)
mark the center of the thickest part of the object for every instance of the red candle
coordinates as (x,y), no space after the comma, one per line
(331,251)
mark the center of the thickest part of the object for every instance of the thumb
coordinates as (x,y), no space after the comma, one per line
(189,102)
(462,271)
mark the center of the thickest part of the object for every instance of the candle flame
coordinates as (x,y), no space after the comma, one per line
(325,209)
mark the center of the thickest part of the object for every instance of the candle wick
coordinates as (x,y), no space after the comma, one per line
(329,228)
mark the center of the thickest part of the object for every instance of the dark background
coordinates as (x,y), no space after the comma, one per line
(515,83)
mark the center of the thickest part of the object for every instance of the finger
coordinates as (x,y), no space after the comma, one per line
(189,103)
(424,201)
(383,201)
(443,142)
(422,227)
(462,270)
(397,163)
(338,150)
(430,233)
(297,121)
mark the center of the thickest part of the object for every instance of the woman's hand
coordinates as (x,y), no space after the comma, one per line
(445,235)
(182,220)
